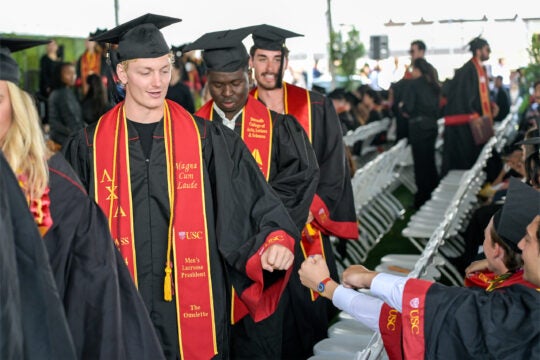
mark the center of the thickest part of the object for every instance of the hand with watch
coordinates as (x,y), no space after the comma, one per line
(315,275)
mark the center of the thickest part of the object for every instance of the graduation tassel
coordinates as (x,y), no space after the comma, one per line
(167,286)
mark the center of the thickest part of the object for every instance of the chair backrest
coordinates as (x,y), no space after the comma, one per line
(366,131)
(375,176)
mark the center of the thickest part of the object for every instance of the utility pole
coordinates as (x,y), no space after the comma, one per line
(331,67)
(116,13)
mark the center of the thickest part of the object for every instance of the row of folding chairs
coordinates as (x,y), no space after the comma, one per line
(376,207)
(439,224)
(348,338)
(366,133)
(456,197)
(426,220)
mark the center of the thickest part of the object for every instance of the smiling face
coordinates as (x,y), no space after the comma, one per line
(147,82)
(266,63)
(530,252)
(229,90)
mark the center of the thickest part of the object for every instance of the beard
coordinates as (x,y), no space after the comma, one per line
(268,85)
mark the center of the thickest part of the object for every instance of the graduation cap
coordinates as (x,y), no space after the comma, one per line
(521,206)
(139,38)
(97,32)
(223,50)
(268,37)
(9,69)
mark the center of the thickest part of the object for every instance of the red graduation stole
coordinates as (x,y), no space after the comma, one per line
(414,304)
(188,226)
(489,281)
(257,135)
(461,119)
(256,131)
(483,87)
(39,207)
(391,328)
(298,103)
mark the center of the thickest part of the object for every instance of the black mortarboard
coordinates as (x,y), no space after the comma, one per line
(97,33)
(9,69)
(521,206)
(139,38)
(223,50)
(268,37)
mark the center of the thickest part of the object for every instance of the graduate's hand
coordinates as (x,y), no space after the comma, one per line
(310,218)
(277,257)
(313,271)
(357,277)
(476,266)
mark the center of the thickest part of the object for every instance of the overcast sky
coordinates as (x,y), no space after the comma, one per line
(308,17)
(78,18)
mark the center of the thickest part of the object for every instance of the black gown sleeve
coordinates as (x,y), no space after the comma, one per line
(249,216)
(463,323)
(294,174)
(76,151)
(334,191)
(106,315)
(38,322)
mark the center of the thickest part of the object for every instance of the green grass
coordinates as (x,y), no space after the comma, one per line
(393,242)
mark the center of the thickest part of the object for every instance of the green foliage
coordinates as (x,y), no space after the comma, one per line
(345,51)
(532,71)
(29,59)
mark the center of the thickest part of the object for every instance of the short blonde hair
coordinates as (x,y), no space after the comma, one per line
(24,143)
(125,63)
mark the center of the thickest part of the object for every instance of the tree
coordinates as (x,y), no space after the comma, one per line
(532,71)
(344,53)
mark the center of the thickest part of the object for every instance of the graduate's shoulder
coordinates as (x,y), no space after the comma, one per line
(84,136)
(62,177)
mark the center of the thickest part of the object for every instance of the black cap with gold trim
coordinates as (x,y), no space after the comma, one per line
(223,50)
(139,38)
(9,69)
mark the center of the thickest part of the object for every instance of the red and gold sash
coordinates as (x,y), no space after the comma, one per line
(483,87)
(390,328)
(297,102)
(489,281)
(413,311)
(40,208)
(187,228)
(257,135)
(256,132)
(462,119)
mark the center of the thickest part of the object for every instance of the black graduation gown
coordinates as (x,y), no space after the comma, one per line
(463,97)
(106,315)
(440,322)
(294,176)
(32,321)
(473,324)
(241,211)
(181,94)
(301,328)
(293,168)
